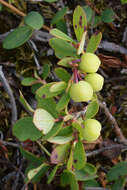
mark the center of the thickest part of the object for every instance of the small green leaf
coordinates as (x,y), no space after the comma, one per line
(68,178)
(46,71)
(59,15)
(54,131)
(24,129)
(89,12)
(47,104)
(86,173)
(79,156)
(62,74)
(77,125)
(123,1)
(66,131)
(94,42)
(90,169)
(97,21)
(60,154)
(81,44)
(79,22)
(108,15)
(119,184)
(61,139)
(34,20)
(28,81)
(116,171)
(52,174)
(43,120)
(31,157)
(44,91)
(91,183)
(38,172)
(64,62)
(70,159)
(92,109)
(25,103)
(59,34)
(58,86)
(61,25)
(17,37)
(62,48)
(63,102)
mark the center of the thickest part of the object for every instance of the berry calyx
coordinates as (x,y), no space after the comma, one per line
(81,91)
(92,129)
(95,80)
(89,63)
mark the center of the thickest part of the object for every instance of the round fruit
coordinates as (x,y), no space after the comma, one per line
(89,63)
(92,129)
(95,80)
(81,91)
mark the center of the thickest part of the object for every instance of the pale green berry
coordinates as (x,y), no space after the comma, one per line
(95,80)
(89,63)
(92,129)
(81,91)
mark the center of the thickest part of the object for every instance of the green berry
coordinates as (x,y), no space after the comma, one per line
(92,129)
(95,80)
(89,63)
(81,91)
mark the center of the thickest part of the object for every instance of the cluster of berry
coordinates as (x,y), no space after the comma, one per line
(83,90)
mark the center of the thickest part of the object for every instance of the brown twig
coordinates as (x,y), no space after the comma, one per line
(113,121)
(89,3)
(12,8)
(17,11)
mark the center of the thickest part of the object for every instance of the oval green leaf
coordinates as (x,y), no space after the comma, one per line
(94,42)
(62,74)
(24,129)
(38,172)
(79,156)
(61,139)
(92,109)
(17,37)
(59,34)
(34,20)
(58,86)
(43,120)
(59,15)
(79,22)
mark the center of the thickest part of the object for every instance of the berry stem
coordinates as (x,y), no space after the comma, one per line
(75,75)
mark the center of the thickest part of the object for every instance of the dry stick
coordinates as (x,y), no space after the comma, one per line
(95,188)
(116,128)
(96,152)
(9,143)
(17,11)
(12,8)
(10,94)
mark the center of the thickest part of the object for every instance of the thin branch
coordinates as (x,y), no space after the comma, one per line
(112,47)
(113,121)
(9,144)
(10,94)
(43,148)
(96,152)
(34,48)
(14,187)
(17,11)
(95,188)
(14,9)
